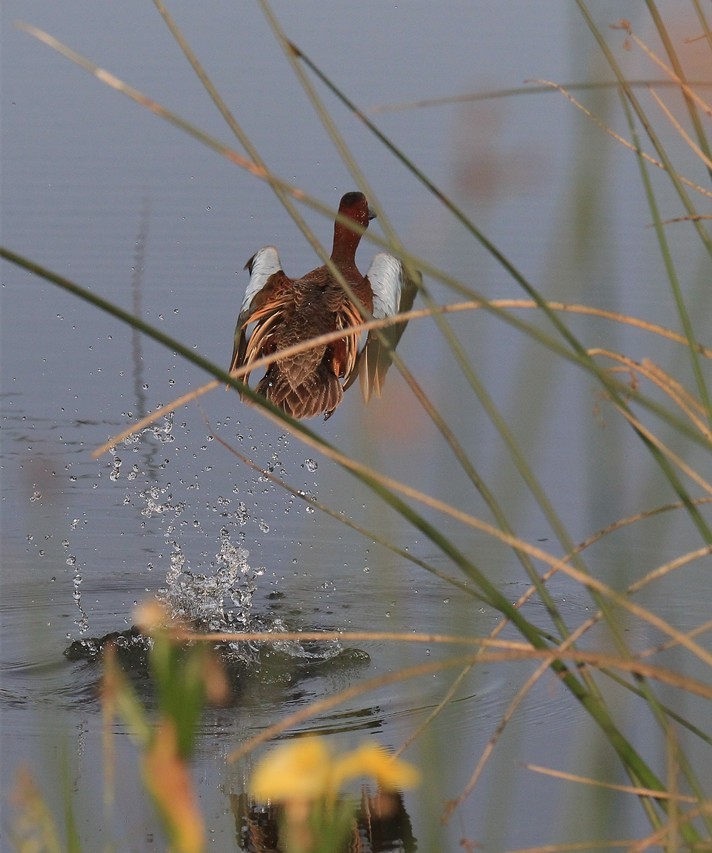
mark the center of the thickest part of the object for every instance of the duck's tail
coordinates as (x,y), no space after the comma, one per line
(320,392)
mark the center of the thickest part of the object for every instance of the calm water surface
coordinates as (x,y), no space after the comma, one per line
(105,193)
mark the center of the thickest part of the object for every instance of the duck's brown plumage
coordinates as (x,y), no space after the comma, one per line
(283,312)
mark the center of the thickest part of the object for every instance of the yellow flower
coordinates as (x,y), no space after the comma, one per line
(373,761)
(306,770)
(299,770)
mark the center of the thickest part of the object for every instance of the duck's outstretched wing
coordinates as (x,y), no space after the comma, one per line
(393,293)
(262,266)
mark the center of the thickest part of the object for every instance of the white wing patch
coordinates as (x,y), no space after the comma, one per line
(386,278)
(393,292)
(261,265)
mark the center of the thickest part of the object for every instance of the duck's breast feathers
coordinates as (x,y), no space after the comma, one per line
(393,290)
(261,266)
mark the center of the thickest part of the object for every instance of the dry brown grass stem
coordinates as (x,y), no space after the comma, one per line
(516,701)
(703,628)
(513,542)
(629,145)
(659,840)
(703,105)
(436,711)
(673,565)
(321,706)
(610,786)
(577,846)
(339,516)
(507,539)
(575,636)
(594,659)
(697,217)
(664,449)
(597,537)
(670,386)
(183,634)
(644,515)
(681,130)
(416,314)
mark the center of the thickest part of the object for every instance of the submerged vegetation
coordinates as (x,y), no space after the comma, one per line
(668,409)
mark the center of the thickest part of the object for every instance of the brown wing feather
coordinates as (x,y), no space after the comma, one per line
(267,307)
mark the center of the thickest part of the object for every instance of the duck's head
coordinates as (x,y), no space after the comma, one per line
(355,205)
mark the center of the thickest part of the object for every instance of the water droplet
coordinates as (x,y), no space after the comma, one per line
(310,464)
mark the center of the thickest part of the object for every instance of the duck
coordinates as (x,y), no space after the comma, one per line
(278,312)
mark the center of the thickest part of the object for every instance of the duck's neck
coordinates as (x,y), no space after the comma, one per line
(345,245)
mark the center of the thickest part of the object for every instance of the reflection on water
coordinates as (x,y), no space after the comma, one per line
(382,825)
(285,672)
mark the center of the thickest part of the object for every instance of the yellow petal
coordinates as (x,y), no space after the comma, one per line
(299,770)
(373,761)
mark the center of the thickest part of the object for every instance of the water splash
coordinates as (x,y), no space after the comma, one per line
(209,581)
(219,600)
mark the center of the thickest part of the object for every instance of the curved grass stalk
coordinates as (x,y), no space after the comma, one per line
(406,316)
(515,273)
(667,453)
(631,104)
(681,130)
(515,702)
(380,489)
(609,786)
(293,720)
(632,761)
(679,395)
(673,280)
(624,142)
(704,26)
(634,519)
(422,264)
(523,468)
(381,486)
(498,94)
(677,74)
(457,350)
(371,535)
(635,105)
(704,628)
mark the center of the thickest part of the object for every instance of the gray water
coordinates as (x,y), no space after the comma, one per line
(105,193)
